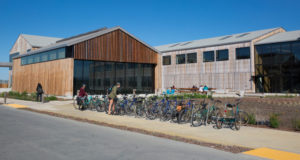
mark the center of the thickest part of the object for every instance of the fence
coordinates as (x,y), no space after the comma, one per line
(3,83)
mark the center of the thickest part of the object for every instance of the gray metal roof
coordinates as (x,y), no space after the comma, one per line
(77,39)
(281,37)
(216,41)
(39,41)
(5,64)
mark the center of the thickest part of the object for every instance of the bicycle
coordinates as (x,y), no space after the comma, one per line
(204,115)
(230,116)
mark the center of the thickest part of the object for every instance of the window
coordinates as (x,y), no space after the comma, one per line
(24,61)
(180,59)
(29,60)
(28,50)
(166,60)
(242,53)
(191,58)
(222,55)
(226,37)
(242,35)
(61,53)
(44,56)
(52,55)
(175,45)
(208,56)
(36,58)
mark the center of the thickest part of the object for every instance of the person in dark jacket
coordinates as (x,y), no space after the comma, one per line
(39,92)
(113,98)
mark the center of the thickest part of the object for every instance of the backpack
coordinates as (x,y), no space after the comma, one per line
(40,90)
(110,89)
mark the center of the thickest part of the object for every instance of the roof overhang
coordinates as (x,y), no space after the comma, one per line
(6,64)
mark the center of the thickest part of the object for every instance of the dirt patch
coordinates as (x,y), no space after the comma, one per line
(233,149)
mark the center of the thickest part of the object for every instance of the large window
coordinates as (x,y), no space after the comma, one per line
(44,56)
(277,67)
(99,76)
(191,57)
(242,53)
(166,60)
(180,59)
(222,55)
(208,56)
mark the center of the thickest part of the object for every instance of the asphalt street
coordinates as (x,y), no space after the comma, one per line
(26,135)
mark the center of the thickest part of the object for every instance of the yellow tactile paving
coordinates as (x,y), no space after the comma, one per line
(15,105)
(273,154)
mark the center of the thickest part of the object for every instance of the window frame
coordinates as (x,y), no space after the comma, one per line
(218,52)
(213,53)
(183,55)
(187,57)
(164,61)
(236,53)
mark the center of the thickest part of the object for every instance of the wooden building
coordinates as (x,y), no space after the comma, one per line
(225,63)
(26,43)
(98,59)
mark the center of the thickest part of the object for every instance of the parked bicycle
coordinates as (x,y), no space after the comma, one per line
(230,116)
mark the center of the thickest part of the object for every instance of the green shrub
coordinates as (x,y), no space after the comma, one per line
(252,118)
(296,124)
(50,98)
(274,120)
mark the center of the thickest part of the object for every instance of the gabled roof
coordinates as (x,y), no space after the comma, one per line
(216,41)
(80,38)
(281,37)
(39,41)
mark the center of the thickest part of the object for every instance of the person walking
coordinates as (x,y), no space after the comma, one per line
(113,98)
(39,92)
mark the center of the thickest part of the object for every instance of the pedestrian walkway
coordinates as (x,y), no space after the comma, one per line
(250,137)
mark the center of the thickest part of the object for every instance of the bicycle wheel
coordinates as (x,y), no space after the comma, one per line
(244,117)
(197,118)
(150,112)
(100,106)
(77,103)
(237,122)
(219,121)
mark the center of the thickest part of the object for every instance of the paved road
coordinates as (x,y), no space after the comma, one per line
(30,136)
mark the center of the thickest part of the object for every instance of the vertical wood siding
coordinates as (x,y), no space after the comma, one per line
(56,77)
(115,46)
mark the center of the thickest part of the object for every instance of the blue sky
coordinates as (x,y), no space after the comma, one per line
(156,22)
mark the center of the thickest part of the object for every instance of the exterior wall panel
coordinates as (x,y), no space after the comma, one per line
(115,46)
(56,77)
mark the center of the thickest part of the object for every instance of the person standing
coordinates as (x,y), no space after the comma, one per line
(39,92)
(113,98)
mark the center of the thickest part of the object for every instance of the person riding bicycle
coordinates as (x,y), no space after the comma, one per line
(82,92)
(113,98)
(81,95)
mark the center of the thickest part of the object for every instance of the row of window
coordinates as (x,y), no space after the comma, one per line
(208,56)
(44,56)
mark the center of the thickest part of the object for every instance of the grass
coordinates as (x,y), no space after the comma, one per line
(274,120)
(296,124)
(252,118)
(25,96)
(186,96)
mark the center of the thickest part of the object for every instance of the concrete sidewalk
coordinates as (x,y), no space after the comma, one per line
(246,137)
